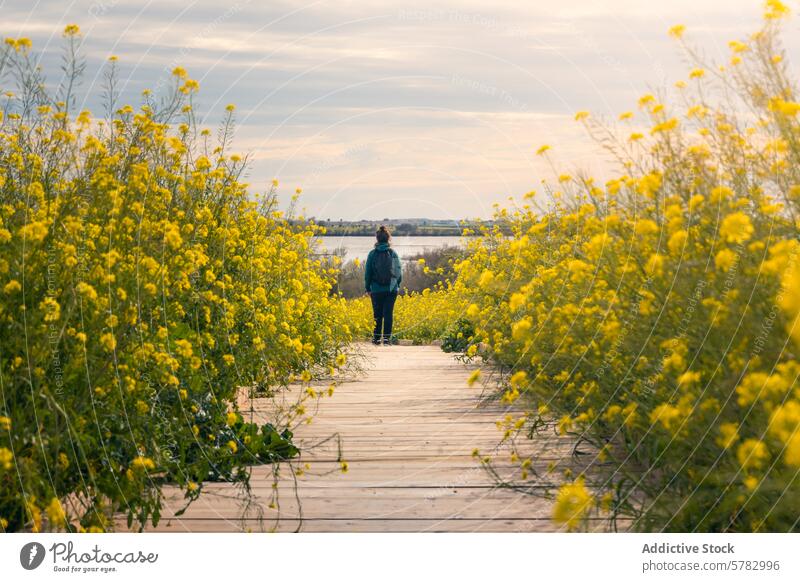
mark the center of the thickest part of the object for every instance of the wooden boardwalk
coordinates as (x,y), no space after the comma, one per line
(408,427)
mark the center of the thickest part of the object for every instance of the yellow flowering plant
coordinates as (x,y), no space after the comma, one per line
(141,288)
(421,317)
(655,316)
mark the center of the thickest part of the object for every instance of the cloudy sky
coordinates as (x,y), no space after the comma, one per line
(395,109)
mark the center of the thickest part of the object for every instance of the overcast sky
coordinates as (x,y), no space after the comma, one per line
(396,109)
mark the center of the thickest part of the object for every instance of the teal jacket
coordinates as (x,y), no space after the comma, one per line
(397,273)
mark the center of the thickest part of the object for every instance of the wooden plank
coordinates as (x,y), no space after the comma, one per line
(439,505)
(358,526)
(407,428)
(507,525)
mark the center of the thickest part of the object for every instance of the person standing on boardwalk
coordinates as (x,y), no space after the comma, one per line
(382,277)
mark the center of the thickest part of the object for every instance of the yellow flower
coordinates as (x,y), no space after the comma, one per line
(725,259)
(752,454)
(486,280)
(677,242)
(519,379)
(787,108)
(143,464)
(645,227)
(695,202)
(341,360)
(791,455)
(541,151)
(183,348)
(655,264)
(646,99)
(751,482)
(738,46)
(202,163)
(172,236)
(736,228)
(677,31)
(784,423)
(758,384)
(519,331)
(108,341)
(72,30)
(666,414)
(34,231)
(233,447)
(728,434)
(6,457)
(516,301)
(5,423)
(573,504)
(231,418)
(689,378)
(774,9)
(34,513)
(56,514)
(86,291)
(665,126)
(720,193)
(474,377)
(12,287)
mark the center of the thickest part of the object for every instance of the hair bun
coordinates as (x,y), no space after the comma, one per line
(382,234)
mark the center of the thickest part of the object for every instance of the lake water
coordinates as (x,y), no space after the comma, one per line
(406,246)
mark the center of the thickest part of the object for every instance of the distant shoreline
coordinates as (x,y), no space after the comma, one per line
(413,227)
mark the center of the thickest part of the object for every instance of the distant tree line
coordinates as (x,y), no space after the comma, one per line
(416,227)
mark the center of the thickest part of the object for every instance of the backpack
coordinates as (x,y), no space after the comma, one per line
(382,268)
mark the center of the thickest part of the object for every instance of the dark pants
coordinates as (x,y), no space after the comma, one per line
(382,308)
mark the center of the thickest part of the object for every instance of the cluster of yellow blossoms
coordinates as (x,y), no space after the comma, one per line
(420,317)
(140,287)
(656,315)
